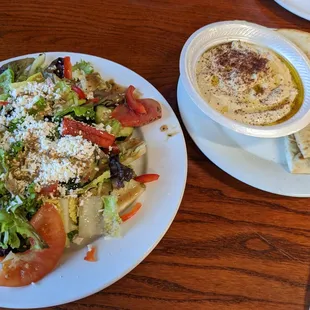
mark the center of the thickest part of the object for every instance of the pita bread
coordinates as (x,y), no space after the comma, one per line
(295,161)
(302,40)
(298,37)
(303,141)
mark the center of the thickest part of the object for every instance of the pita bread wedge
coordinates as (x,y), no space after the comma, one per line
(303,141)
(295,161)
(302,40)
(298,37)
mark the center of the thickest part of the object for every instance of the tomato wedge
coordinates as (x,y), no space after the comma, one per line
(49,189)
(31,266)
(129,118)
(132,102)
(67,68)
(132,212)
(146,178)
(75,128)
(91,255)
(79,91)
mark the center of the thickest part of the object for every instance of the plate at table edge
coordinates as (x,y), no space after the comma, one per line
(295,9)
(257,162)
(76,278)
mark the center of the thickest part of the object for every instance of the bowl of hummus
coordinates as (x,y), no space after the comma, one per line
(247,78)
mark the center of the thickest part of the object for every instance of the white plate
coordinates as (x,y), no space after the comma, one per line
(298,7)
(75,278)
(254,161)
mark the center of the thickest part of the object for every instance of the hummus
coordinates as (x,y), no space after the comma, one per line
(247,83)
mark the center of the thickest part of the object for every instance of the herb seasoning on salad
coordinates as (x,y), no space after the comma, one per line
(65,148)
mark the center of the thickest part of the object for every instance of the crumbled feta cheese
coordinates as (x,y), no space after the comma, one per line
(77,147)
(77,240)
(90,95)
(62,190)
(61,170)
(108,128)
(100,126)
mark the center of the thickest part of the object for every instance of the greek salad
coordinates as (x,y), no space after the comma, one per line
(67,144)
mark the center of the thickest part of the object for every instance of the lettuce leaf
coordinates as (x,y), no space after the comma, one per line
(84,66)
(81,112)
(11,226)
(111,220)
(119,172)
(6,78)
(19,67)
(94,183)
(14,123)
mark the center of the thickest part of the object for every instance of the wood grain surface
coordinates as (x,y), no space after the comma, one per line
(231,246)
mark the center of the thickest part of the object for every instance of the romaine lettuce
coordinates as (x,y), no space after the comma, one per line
(111,220)
(84,66)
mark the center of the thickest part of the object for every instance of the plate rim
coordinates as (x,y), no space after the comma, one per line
(293,9)
(175,210)
(213,158)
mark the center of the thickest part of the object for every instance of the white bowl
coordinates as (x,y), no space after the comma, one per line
(223,32)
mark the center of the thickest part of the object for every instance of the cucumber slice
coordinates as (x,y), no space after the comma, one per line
(125,132)
(102,114)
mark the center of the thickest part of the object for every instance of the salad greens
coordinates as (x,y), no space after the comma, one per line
(83,65)
(66,141)
(111,220)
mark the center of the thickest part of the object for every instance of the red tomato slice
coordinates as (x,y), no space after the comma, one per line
(129,118)
(75,128)
(79,91)
(4,102)
(91,255)
(132,102)
(131,213)
(67,68)
(31,266)
(145,178)
(49,189)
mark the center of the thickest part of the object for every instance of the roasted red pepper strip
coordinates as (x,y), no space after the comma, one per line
(132,212)
(94,100)
(132,102)
(79,91)
(75,128)
(67,68)
(90,255)
(49,189)
(145,178)
(4,102)
(115,149)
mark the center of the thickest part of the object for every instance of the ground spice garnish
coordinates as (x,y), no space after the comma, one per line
(245,62)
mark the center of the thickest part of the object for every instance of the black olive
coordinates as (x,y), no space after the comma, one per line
(57,67)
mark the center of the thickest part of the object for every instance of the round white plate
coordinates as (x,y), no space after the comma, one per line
(75,278)
(254,161)
(298,7)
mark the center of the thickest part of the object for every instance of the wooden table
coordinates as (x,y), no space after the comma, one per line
(231,246)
